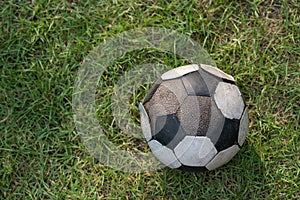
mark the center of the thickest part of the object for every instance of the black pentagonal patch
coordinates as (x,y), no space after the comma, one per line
(195,85)
(168,131)
(192,169)
(152,90)
(229,135)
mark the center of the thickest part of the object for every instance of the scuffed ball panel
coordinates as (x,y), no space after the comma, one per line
(223,157)
(168,131)
(194,115)
(163,102)
(164,154)
(229,135)
(216,123)
(164,97)
(195,151)
(195,85)
(145,123)
(229,100)
(176,86)
(152,90)
(244,127)
(179,72)
(217,72)
(189,115)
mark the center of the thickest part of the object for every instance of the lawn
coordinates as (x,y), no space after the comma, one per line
(43,45)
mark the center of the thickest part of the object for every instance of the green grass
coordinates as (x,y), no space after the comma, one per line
(42,45)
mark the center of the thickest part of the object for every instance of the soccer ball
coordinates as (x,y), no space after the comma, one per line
(194,118)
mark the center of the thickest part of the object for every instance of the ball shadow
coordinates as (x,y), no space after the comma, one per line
(243,178)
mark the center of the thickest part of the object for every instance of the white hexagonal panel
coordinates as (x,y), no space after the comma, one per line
(164,154)
(195,151)
(229,100)
(222,157)
(179,71)
(145,124)
(183,146)
(217,72)
(244,127)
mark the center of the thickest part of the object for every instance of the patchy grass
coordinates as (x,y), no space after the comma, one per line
(43,44)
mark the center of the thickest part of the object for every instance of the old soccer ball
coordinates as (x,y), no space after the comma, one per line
(194,118)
